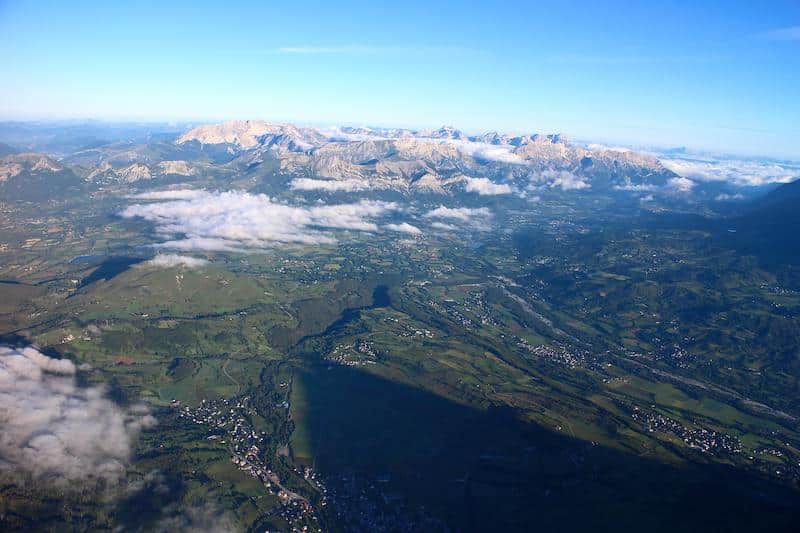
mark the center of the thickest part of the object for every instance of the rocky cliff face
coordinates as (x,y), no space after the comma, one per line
(247,134)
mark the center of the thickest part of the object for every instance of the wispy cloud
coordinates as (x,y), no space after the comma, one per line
(444,227)
(361,49)
(724,197)
(478,218)
(404,227)
(792,33)
(631,59)
(628,185)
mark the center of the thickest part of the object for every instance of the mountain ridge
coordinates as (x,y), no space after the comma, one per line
(400,158)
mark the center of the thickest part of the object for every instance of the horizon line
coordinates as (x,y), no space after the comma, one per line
(581,139)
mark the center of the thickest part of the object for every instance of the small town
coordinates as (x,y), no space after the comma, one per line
(699,438)
(227,423)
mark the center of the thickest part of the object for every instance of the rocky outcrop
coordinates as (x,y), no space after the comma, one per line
(179,168)
(133,173)
(13,165)
(247,134)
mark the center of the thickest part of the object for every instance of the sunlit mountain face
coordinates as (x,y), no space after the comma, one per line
(248,326)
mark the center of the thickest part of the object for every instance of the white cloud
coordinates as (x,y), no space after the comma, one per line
(179,194)
(486,187)
(724,197)
(57,432)
(443,226)
(736,172)
(596,147)
(488,152)
(240,221)
(627,185)
(464,214)
(563,179)
(346,185)
(477,218)
(404,227)
(683,185)
(173,260)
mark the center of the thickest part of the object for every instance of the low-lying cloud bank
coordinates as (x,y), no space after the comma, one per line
(737,172)
(56,432)
(240,221)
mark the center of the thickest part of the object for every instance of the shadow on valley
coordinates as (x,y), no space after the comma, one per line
(110,268)
(405,448)
(320,317)
(380,298)
(767,233)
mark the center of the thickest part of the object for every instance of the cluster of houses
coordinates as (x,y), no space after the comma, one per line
(449,308)
(228,423)
(698,438)
(407,332)
(563,355)
(358,353)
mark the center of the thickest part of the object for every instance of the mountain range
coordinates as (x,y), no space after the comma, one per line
(445,161)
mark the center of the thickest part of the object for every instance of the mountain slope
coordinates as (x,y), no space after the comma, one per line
(36,177)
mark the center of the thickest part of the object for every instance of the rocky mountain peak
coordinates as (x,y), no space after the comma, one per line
(445,132)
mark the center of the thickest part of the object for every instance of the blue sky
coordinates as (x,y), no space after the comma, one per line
(722,76)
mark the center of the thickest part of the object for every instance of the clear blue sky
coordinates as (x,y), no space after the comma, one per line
(720,75)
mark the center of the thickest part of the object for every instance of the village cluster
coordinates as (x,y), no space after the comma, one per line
(698,438)
(558,354)
(357,353)
(228,423)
